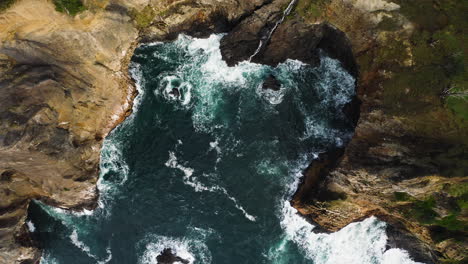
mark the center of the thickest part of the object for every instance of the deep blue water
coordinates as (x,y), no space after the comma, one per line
(208,172)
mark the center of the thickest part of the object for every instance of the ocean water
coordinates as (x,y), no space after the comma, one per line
(208,171)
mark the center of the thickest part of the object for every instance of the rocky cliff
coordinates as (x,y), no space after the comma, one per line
(64,86)
(407,162)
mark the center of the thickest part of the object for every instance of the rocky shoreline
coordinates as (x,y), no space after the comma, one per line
(65,86)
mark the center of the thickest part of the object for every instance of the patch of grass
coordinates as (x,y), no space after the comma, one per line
(4,4)
(423,211)
(439,50)
(71,7)
(310,10)
(388,24)
(144,17)
(451,223)
(402,196)
(459,190)
(459,105)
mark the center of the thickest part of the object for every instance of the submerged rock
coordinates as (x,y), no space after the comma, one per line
(271,83)
(167,257)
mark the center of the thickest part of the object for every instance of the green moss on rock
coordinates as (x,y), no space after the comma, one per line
(4,4)
(402,196)
(71,7)
(310,10)
(144,17)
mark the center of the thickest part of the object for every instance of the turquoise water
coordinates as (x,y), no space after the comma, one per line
(207,171)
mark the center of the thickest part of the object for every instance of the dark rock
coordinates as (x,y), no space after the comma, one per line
(7,175)
(271,83)
(167,257)
(312,183)
(335,43)
(175,92)
(243,40)
(292,40)
(399,237)
(352,110)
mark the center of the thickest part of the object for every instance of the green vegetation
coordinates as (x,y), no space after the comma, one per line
(428,88)
(310,10)
(438,54)
(402,196)
(389,24)
(458,105)
(451,223)
(424,212)
(71,7)
(459,190)
(4,4)
(144,17)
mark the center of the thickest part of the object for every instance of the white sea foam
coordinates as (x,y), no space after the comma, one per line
(112,161)
(87,250)
(192,181)
(238,206)
(271,96)
(203,77)
(137,74)
(47,258)
(108,258)
(81,245)
(30,226)
(336,85)
(214,145)
(358,243)
(171,83)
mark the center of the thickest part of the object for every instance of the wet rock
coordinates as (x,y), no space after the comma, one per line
(352,110)
(243,40)
(271,83)
(399,237)
(175,92)
(293,39)
(167,257)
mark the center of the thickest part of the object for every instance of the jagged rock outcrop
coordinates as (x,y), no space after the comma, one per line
(167,257)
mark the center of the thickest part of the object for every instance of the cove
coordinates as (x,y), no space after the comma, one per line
(207,163)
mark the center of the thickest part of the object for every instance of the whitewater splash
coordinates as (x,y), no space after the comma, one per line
(358,243)
(186,249)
